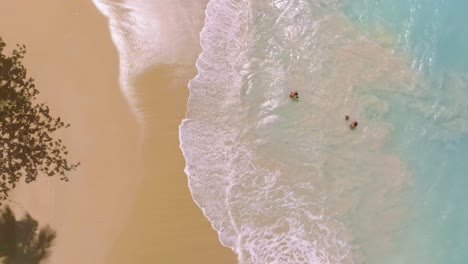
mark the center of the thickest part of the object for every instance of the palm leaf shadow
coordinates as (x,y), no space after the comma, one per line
(22,241)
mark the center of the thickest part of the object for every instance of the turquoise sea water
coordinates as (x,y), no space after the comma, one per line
(431,137)
(288,182)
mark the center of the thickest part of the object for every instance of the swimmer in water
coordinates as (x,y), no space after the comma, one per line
(346,117)
(353,124)
(294,95)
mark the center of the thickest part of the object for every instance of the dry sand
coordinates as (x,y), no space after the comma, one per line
(75,64)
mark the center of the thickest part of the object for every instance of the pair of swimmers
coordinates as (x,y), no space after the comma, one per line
(295,95)
(353,123)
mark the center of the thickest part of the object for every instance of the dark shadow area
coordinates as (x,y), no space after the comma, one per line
(22,241)
(27,147)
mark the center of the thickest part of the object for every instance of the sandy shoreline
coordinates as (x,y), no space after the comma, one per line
(126,203)
(166,226)
(165,216)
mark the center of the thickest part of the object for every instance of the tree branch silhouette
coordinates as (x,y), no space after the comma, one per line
(27,148)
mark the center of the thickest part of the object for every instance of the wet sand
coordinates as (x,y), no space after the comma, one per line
(166,225)
(128,202)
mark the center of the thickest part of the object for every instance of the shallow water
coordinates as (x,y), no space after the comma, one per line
(288,182)
(431,138)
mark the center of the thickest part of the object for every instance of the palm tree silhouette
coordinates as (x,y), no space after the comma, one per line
(21,241)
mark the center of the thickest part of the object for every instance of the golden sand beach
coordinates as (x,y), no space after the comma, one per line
(129,201)
(75,66)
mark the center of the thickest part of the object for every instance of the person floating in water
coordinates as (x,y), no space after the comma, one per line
(346,117)
(294,95)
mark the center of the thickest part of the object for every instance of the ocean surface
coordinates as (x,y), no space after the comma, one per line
(287,181)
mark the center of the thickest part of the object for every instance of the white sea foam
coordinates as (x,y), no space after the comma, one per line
(146,33)
(214,155)
(134,40)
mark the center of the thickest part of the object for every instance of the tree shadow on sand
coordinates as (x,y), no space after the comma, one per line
(22,241)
